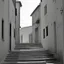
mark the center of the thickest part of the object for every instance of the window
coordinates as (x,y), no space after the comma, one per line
(47,31)
(15,11)
(38,21)
(2,29)
(45,9)
(43,33)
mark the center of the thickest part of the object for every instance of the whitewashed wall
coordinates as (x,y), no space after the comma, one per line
(35,17)
(4,44)
(7,14)
(12,21)
(25,32)
(53,15)
(18,22)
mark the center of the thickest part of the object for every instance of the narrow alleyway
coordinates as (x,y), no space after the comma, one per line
(31,31)
(29,54)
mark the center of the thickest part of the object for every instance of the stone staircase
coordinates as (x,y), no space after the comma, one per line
(39,56)
(28,46)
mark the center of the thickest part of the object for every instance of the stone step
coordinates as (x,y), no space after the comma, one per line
(30,59)
(27,56)
(28,44)
(36,51)
(30,62)
(31,56)
(20,47)
(28,47)
(12,55)
(11,58)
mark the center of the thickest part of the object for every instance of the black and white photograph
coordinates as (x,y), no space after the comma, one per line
(31,31)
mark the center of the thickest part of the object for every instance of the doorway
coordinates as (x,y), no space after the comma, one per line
(10,38)
(55,43)
(36,35)
(21,38)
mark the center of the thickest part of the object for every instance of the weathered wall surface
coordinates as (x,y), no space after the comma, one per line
(18,23)
(7,13)
(54,40)
(35,17)
(4,44)
(25,32)
(12,21)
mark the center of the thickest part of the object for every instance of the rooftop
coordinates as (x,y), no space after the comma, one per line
(35,9)
(19,3)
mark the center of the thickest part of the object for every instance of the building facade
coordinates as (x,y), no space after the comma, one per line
(7,26)
(36,32)
(26,35)
(18,5)
(12,21)
(52,27)
(51,14)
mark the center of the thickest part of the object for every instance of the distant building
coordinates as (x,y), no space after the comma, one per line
(26,35)
(18,5)
(7,27)
(36,25)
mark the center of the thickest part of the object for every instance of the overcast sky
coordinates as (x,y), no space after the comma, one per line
(27,8)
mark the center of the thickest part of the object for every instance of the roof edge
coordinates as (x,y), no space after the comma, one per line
(19,3)
(26,27)
(35,9)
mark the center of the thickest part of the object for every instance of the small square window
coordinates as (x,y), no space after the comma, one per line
(43,33)
(45,9)
(15,11)
(47,31)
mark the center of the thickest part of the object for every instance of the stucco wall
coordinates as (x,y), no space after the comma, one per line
(7,13)
(35,17)
(53,15)
(12,21)
(4,45)
(18,23)
(25,32)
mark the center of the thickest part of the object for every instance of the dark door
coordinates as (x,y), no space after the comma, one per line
(36,35)
(55,37)
(10,39)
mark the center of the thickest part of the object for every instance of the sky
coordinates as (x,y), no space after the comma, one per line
(27,8)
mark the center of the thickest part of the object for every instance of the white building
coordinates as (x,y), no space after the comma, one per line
(18,5)
(36,32)
(7,26)
(52,26)
(26,35)
(12,21)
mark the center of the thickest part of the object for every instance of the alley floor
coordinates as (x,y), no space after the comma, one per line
(30,54)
